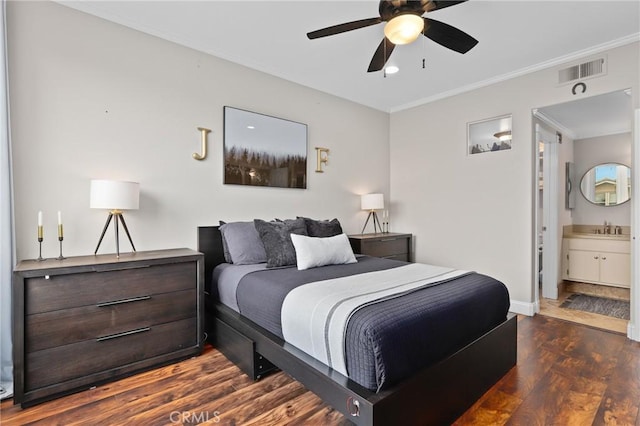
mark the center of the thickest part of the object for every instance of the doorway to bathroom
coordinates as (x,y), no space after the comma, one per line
(583,243)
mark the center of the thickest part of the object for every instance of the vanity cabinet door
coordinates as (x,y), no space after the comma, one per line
(584,265)
(615,268)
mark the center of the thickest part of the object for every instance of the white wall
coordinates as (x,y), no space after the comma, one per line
(589,153)
(476,211)
(92,99)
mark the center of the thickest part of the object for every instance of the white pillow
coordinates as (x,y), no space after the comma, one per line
(316,251)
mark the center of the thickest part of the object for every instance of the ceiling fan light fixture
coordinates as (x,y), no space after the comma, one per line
(391,69)
(404,29)
(503,136)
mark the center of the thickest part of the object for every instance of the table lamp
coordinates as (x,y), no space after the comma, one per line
(372,202)
(115,196)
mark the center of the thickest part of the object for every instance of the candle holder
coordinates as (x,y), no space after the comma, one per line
(40,258)
(60,238)
(61,256)
(40,239)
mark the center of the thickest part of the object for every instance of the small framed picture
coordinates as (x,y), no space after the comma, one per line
(490,135)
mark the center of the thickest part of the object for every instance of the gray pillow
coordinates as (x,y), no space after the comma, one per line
(243,243)
(225,249)
(322,228)
(276,240)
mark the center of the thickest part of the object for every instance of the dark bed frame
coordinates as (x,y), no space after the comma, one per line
(438,394)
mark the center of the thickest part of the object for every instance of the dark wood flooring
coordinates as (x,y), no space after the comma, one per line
(567,374)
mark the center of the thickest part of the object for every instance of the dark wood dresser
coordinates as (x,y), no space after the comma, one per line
(389,245)
(82,321)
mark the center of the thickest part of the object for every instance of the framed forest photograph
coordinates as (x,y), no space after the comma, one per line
(261,150)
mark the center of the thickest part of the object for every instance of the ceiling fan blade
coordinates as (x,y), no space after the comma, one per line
(441,4)
(448,36)
(383,52)
(342,28)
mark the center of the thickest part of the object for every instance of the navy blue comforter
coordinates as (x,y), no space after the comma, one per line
(388,341)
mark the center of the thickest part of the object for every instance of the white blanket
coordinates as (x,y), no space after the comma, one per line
(315,315)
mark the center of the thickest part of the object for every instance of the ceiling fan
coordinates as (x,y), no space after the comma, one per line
(404,23)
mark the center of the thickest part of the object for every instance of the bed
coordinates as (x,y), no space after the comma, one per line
(437,393)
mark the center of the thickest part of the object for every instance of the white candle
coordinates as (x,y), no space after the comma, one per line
(59,225)
(39,218)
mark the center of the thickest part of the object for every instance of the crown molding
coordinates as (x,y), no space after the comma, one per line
(524,71)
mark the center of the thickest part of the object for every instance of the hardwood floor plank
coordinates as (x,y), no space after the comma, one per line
(327,416)
(292,411)
(266,402)
(581,402)
(544,402)
(566,374)
(94,396)
(522,379)
(495,408)
(621,400)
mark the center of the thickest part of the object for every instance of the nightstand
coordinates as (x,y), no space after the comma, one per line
(86,320)
(388,245)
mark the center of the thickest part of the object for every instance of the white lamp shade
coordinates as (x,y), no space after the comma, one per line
(404,29)
(114,195)
(372,202)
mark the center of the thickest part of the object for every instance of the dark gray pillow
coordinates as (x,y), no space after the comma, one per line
(322,228)
(276,240)
(243,243)
(225,249)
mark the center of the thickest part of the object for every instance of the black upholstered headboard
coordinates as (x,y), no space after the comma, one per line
(210,244)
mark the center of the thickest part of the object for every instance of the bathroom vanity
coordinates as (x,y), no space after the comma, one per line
(596,258)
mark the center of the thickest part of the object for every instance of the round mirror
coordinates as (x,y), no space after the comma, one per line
(607,184)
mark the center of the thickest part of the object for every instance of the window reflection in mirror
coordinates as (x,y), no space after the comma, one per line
(607,184)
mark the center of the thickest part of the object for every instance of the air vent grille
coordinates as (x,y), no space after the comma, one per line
(582,71)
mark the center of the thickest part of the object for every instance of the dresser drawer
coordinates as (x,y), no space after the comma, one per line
(57,292)
(56,365)
(63,327)
(385,247)
(388,245)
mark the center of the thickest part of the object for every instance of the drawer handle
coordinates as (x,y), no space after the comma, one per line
(384,240)
(111,268)
(124,333)
(119,302)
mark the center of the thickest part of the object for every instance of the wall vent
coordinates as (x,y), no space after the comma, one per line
(582,71)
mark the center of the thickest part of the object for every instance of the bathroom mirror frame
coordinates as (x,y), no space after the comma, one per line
(603,198)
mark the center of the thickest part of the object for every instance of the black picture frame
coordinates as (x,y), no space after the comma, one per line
(261,150)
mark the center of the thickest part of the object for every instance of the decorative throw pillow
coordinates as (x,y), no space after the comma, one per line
(313,251)
(243,243)
(276,240)
(322,228)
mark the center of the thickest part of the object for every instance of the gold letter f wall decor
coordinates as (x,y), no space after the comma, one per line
(323,158)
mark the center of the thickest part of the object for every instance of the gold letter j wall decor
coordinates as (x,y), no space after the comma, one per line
(204,132)
(323,158)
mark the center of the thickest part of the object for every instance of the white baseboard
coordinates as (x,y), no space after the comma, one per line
(633,332)
(524,308)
